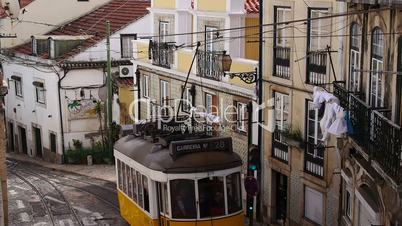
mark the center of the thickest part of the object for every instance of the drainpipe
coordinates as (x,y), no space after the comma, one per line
(260,96)
(138,78)
(63,159)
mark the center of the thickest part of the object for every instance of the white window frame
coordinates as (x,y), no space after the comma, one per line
(163,30)
(317,129)
(145,85)
(126,41)
(281,30)
(281,99)
(241,116)
(354,73)
(41,99)
(164,96)
(376,81)
(187,99)
(319,31)
(312,214)
(208,102)
(18,88)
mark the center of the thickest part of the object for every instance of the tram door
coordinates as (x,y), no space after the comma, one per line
(163,206)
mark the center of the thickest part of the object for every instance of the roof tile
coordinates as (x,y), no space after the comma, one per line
(120,13)
(252,6)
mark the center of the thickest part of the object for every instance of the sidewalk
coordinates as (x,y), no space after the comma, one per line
(103,172)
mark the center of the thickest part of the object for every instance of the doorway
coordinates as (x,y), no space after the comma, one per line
(38,142)
(281,196)
(10,137)
(23,138)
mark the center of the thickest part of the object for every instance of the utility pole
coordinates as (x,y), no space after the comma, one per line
(109,90)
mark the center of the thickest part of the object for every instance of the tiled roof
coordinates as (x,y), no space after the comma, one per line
(23,3)
(124,82)
(120,13)
(252,6)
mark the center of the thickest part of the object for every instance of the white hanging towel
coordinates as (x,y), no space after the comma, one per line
(339,126)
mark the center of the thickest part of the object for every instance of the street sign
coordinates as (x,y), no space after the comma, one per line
(251,186)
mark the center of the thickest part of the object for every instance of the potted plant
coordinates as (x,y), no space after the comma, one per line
(293,137)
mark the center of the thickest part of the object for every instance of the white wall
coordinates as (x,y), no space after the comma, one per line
(28,111)
(90,81)
(55,12)
(140,27)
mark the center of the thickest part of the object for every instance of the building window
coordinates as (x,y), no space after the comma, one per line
(281,46)
(187,99)
(211,104)
(281,114)
(164,97)
(40,92)
(126,45)
(211,197)
(163,31)
(314,133)
(241,116)
(313,205)
(145,86)
(377,47)
(354,61)
(18,86)
(183,199)
(53,142)
(319,30)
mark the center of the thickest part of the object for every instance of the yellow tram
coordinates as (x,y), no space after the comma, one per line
(173,180)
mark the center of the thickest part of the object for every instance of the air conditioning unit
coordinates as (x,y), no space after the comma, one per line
(126,71)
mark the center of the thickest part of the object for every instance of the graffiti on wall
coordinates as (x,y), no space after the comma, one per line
(82,109)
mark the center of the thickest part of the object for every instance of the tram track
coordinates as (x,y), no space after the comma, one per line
(37,191)
(97,196)
(73,213)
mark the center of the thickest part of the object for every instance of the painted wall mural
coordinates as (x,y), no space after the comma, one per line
(82,109)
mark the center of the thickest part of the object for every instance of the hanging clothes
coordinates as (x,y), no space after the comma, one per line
(339,126)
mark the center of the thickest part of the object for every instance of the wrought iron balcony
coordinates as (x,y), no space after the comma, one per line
(209,64)
(314,160)
(279,148)
(317,68)
(282,62)
(378,137)
(161,53)
(342,94)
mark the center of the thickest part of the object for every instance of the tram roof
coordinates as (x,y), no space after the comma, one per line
(156,157)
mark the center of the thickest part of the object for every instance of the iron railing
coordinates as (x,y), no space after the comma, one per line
(317,68)
(282,62)
(314,160)
(279,148)
(162,53)
(208,64)
(379,138)
(342,94)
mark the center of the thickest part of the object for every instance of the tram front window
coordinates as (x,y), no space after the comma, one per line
(233,190)
(183,199)
(211,196)
(146,194)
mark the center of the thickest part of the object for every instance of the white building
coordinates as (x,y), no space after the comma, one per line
(56,79)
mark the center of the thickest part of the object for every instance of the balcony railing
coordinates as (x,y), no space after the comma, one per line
(282,62)
(279,148)
(208,64)
(314,160)
(342,94)
(317,68)
(378,137)
(162,53)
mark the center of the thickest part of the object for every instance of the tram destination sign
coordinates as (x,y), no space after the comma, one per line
(223,144)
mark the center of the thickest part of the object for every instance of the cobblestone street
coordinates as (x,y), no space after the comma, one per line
(39,196)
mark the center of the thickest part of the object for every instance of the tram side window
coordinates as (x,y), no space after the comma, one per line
(211,197)
(130,182)
(124,179)
(233,191)
(134,182)
(140,200)
(146,193)
(183,199)
(120,175)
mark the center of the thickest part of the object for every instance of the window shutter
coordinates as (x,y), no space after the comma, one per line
(313,204)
